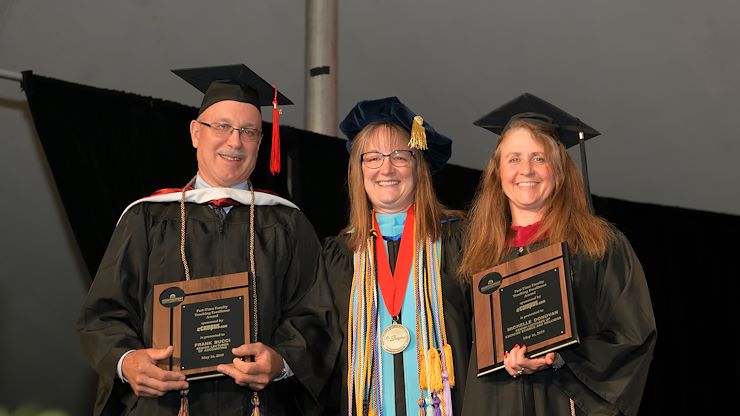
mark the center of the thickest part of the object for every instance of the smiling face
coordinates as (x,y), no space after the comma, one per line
(526,175)
(390,188)
(226,161)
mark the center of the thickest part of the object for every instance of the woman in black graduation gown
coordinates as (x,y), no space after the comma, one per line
(531,196)
(404,313)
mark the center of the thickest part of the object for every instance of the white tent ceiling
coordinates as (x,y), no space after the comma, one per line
(660,80)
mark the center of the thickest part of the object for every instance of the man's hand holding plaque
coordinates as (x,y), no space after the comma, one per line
(140,369)
(258,366)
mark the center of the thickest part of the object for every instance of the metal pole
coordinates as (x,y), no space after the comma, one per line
(321,66)
(11,75)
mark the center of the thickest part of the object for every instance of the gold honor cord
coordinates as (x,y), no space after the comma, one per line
(363,385)
(253,270)
(360,359)
(255,397)
(430,328)
(182,228)
(421,354)
(366,368)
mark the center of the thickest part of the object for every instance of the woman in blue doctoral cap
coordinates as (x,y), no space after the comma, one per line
(404,312)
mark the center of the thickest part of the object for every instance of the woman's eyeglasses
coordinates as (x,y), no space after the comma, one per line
(399,158)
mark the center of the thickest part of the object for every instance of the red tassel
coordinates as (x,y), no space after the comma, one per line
(275,153)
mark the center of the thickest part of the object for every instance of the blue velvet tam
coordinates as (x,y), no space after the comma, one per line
(391,109)
(536,110)
(230,82)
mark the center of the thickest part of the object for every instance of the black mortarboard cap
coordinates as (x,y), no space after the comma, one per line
(391,109)
(238,83)
(568,129)
(537,110)
(230,82)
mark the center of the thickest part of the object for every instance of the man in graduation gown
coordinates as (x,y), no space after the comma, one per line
(178,236)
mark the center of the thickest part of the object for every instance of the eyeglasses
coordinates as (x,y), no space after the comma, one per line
(224,130)
(399,158)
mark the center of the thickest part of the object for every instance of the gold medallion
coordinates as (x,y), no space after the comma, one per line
(395,338)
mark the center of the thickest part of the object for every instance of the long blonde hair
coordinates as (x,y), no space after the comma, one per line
(429,211)
(566,215)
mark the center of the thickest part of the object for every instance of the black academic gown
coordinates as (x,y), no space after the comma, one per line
(456,303)
(296,315)
(606,373)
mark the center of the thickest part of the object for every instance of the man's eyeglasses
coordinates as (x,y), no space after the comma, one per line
(399,158)
(224,130)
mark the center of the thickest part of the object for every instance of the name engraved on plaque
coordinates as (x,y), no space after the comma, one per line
(210,330)
(534,311)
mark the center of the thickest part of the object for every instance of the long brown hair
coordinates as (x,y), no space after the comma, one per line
(566,215)
(429,211)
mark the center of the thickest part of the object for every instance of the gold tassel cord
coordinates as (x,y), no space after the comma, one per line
(448,362)
(443,326)
(350,334)
(435,368)
(422,370)
(255,404)
(418,134)
(360,369)
(367,372)
(421,351)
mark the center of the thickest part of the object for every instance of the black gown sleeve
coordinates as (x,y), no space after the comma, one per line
(338,267)
(458,312)
(611,364)
(112,316)
(307,335)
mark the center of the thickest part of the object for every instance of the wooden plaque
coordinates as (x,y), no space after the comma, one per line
(525,301)
(203,319)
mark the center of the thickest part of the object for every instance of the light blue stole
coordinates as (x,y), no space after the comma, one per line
(392,225)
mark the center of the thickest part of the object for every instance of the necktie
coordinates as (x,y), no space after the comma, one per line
(223,202)
(215,203)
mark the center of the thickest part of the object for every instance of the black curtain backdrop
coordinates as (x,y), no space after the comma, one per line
(107,148)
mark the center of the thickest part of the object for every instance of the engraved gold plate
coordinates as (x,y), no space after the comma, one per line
(395,338)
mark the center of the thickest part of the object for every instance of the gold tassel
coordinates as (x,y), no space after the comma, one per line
(255,404)
(418,134)
(435,371)
(448,363)
(371,412)
(422,371)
